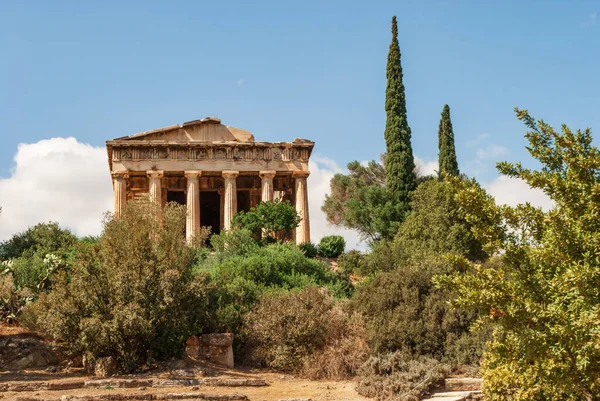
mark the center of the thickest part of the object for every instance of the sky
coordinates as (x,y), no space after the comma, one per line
(75,74)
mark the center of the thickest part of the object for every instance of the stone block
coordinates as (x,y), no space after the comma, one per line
(217,348)
(192,347)
(105,367)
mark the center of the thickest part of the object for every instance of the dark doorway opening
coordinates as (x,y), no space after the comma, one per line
(210,211)
(243,201)
(177,197)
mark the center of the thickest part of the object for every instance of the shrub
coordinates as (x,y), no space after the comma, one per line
(309,249)
(396,376)
(352,262)
(133,296)
(332,246)
(345,349)
(285,327)
(303,331)
(241,277)
(404,311)
(232,243)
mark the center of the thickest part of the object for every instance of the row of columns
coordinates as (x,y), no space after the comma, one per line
(228,197)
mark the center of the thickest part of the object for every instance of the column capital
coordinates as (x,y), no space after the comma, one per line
(192,173)
(267,174)
(120,174)
(155,173)
(230,173)
(301,173)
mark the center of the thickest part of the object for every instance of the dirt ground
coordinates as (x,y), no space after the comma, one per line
(279,387)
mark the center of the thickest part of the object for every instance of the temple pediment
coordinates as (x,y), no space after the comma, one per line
(208,130)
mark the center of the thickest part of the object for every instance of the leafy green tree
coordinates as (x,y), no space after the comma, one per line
(361,201)
(543,296)
(399,161)
(447,151)
(41,238)
(436,226)
(267,218)
(403,309)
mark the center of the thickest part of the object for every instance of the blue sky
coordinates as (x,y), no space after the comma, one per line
(97,70)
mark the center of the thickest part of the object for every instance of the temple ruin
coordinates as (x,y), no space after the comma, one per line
(213,169)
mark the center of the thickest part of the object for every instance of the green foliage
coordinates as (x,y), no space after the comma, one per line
(448,165)
(352,262)
(241,276)
(404,311)
(361,201)
(42,238)
(233,243)
(543,292)
(37,254)
(401,179)
(436,226)
(267,219)
(133,296)
(309,249)
(396,376)
(332,246)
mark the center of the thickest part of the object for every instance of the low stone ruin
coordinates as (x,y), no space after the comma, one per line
(216,348)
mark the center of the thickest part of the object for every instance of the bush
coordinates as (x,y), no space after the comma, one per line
(396,376)
(332,246)
(404,311)
(303,331)
(242,276)
(133,296)
(309,249)
(345,350)
(351,262)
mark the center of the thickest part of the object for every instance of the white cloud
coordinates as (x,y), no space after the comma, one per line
(491,151)
(479,139)
(56,179)
(424,168)
(513,191)
(322,170)
(241,82)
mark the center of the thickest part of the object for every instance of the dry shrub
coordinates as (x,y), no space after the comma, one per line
(305,332)
(399,377)
(344,352)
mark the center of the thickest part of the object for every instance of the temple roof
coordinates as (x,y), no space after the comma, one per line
(208,129)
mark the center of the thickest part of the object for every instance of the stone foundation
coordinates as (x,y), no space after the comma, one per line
(217,348)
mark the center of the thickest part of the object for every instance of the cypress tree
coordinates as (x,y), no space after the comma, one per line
(447,151)
(399,161)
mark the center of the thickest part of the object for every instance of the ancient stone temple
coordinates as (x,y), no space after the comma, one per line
(213,169)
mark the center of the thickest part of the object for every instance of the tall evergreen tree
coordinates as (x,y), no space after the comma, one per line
(447,151)
(399,161)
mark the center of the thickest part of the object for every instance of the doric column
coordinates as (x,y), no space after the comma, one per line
(303,229)
(155,185)
(120,190)
(192,224)
(267,185)
(230,206)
